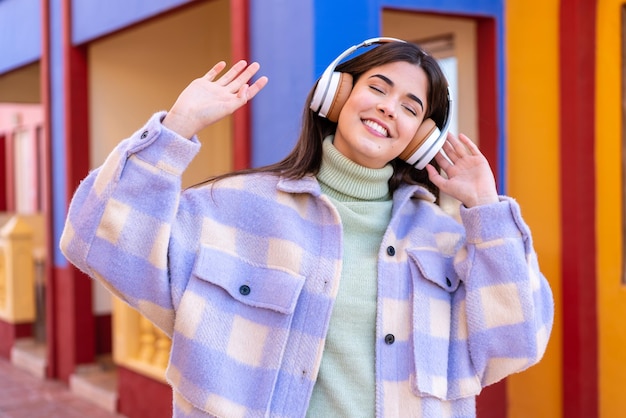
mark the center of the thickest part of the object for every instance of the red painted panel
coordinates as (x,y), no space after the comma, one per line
(492,402)
(488,93)
(9,333)
(10,173)
(73,328)
(51,245)
(103,334)
(140,396)
(3,174)
(239,33)
(577,99)
(70,326)
(76,117)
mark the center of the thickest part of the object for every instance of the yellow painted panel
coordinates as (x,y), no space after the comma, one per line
(17,268)
(127,342)
(141,70)
(609,189)
(21,85)
(532,135)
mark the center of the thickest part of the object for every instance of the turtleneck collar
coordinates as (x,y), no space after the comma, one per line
(344,180)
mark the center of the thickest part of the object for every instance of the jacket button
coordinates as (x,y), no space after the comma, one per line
(448,282)
(391,251)
(244,290)
(144,134)
(389,339)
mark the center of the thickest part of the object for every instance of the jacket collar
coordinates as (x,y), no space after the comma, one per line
(309,184)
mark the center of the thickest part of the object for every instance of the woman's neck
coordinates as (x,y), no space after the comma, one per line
(345,180)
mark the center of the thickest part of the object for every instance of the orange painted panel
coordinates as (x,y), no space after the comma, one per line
(532,133)
(609,224)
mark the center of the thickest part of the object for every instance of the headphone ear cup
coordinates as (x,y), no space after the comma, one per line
(424,132)
(344,87)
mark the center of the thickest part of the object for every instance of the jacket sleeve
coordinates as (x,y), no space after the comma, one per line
(508,306)
(120,219)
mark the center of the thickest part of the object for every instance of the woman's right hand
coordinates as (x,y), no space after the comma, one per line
(207,99)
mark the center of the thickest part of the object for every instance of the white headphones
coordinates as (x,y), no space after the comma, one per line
(333,89)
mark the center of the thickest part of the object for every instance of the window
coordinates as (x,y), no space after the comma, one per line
(442,48)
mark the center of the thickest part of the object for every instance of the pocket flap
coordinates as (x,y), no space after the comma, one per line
(252,284)
(436,268)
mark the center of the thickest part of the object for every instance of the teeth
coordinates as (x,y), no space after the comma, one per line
(381,130)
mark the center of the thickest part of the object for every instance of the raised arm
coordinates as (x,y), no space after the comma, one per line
(503,313)
(119,224)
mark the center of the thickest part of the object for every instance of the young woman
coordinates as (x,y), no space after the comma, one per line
(330,283)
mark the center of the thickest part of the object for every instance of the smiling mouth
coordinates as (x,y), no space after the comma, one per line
(376,127)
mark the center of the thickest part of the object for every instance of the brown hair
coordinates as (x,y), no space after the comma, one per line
(306,157)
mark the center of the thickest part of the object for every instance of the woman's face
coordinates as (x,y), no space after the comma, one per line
(382,113)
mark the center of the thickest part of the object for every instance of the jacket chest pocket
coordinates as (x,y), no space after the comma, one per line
(435,269)
(253,285)
(234,322)
(439,336)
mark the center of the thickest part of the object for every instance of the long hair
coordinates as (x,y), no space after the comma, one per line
(306,157)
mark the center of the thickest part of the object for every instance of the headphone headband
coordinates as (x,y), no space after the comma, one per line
(326,80)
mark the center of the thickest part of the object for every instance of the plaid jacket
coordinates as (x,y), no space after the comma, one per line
(242,275)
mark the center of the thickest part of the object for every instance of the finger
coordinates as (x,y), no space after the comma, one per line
(445,156)
(456,145)
(213,72)
(443,161)
(247,92)
(450,150)
(246,75)
(232,73)
(469,144)
(434,176)
(257,86)
(242,93)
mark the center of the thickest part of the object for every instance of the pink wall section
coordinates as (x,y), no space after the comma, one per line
(23,123)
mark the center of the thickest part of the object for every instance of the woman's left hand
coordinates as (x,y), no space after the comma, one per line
(469,177)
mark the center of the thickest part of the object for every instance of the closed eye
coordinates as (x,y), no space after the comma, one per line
(410,110)
(391,83)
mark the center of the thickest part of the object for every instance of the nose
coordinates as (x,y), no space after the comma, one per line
(387,108)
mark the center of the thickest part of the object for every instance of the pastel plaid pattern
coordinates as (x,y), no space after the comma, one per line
(242,275)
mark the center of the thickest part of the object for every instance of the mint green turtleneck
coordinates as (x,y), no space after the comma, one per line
(346,385)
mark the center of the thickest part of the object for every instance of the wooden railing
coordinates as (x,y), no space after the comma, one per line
(137,343)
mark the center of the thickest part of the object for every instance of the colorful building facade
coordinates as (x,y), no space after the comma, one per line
(538,84)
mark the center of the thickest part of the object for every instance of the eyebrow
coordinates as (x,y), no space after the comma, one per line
(409,95)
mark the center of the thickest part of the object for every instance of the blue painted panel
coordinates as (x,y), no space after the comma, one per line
(95,18)
(341,24)
(281,41)
(57,129)
(465,7)
(20,33)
